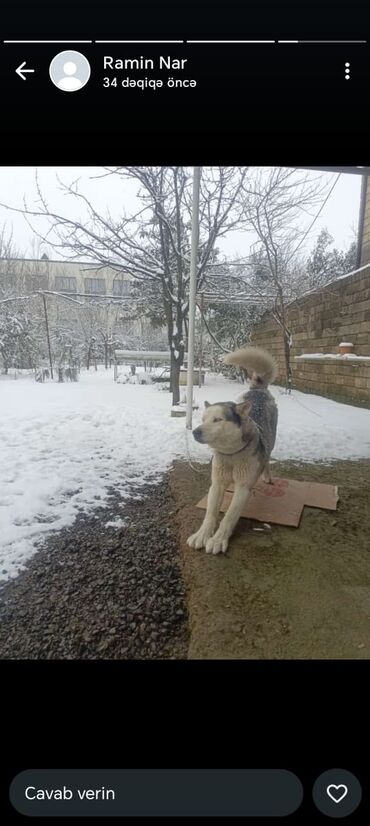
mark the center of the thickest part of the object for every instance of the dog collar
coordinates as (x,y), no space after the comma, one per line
(235,451)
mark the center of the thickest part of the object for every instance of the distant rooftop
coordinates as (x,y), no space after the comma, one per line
(44,258)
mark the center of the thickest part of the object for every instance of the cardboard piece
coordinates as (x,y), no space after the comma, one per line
(285,509)
(282,503)
(314,494)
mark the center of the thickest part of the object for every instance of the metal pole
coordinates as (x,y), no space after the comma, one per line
(201,338)
(47,335)
(192,293)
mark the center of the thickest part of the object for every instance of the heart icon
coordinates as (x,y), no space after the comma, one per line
(337,793)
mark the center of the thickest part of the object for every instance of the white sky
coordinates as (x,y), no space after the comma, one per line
(339,216)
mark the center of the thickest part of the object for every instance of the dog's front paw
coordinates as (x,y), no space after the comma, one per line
(200,538)
(217,544)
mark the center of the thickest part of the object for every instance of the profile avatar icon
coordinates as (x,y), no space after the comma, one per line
(69,71)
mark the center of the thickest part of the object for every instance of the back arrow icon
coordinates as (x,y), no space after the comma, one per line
(21,70)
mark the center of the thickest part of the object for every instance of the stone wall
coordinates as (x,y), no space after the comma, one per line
(342,378)
(365,229)
(318,322)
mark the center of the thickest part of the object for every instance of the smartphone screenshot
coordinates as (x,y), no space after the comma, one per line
(184,413)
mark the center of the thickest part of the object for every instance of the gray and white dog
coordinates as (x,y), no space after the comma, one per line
(242,435)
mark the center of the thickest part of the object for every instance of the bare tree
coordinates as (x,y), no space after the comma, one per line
(276,204)
(98,320)
(153,245)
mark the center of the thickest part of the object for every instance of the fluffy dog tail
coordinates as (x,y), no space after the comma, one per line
(257,363)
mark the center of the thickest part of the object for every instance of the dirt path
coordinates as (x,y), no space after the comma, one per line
(287,593)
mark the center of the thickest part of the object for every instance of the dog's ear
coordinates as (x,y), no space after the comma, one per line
(207,404)
(243,409)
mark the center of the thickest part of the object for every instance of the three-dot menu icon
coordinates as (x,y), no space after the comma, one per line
(347,71)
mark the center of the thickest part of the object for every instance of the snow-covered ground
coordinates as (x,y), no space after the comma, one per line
(63,446)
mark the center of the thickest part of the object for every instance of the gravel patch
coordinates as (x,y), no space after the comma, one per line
(98,591)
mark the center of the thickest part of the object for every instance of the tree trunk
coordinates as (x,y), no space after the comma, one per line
(175,379)
(286,342)
(88,358)
(288,368)
(106,354)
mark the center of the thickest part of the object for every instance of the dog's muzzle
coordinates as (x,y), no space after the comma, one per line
(198,435)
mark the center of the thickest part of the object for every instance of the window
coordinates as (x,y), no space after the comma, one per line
(65,284)
(95,286)
(9,283)
(121,287)
(36,281)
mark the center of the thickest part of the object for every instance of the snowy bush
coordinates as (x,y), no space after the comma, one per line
(140,377)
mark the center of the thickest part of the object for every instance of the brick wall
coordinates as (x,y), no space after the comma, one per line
(365,245)
(344,379)
(318,323)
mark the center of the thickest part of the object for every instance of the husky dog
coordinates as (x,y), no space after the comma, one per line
(242,435)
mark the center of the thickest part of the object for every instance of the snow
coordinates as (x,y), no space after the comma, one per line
(116,523)
(66,446)
(338,356)
(140,377)
(329,283)
(348,274)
